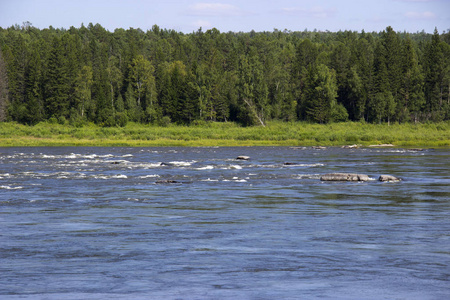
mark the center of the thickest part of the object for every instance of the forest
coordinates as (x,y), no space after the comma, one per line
(89,74)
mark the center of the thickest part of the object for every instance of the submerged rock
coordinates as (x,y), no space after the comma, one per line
(166,181)
(344,177)
(243,157)
(388,178)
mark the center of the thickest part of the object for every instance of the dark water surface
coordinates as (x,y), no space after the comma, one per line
(97,223)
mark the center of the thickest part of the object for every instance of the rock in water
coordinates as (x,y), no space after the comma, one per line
(166,181)
(344,177)
(243,157)
(385,178)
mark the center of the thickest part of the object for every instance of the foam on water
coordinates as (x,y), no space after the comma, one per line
(182,163)
(235,167)
(7,187)
(209,167)
(149,176)
(118,176)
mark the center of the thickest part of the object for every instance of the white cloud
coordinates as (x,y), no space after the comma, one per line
(202,23)
(420,15)
(213,9)
(317,12)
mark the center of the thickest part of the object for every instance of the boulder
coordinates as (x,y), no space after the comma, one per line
(385,178)
(243,157)
(344,177)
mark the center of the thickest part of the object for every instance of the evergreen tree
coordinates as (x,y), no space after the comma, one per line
(340,62)
(4,101)
(17,58)
(364,78)
(57,85)
(34,101)
(393,61)
(321,94)
(412,85)
(355,103)
(178,100)
(377,98)
(434,76)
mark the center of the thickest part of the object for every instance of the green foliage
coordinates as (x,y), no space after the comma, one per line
(339,113)
(320,94)
(276,133)
(89,74)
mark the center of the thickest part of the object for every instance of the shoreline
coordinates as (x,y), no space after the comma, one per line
(432,135)
(24,142)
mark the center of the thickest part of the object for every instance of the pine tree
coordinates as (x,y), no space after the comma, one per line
(34,101)
(57,82)
(412,84)
(363,61)
(178,98)
(17,60)
(434,76)
(393,60)
(377,98)
(4,101)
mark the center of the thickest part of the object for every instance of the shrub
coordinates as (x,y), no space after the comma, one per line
(339,113)
(165,121)
(121,119)
(62,120)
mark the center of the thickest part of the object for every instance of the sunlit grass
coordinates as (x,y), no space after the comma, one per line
(228,134)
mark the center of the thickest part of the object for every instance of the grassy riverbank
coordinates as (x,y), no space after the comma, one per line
(228,134)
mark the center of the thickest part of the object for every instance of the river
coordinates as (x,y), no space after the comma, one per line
(196,223)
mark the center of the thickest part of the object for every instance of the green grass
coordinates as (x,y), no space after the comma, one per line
(228,134)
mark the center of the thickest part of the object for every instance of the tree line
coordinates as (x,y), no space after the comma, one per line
(90,74)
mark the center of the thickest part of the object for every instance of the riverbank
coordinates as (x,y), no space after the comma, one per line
(227,134)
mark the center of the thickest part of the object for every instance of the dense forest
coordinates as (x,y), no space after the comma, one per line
(90,74)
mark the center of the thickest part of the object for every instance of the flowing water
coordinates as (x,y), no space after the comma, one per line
(195,223)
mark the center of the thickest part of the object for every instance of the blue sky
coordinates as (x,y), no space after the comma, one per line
(232,15)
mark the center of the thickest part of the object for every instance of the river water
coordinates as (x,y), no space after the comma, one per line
(195,223)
